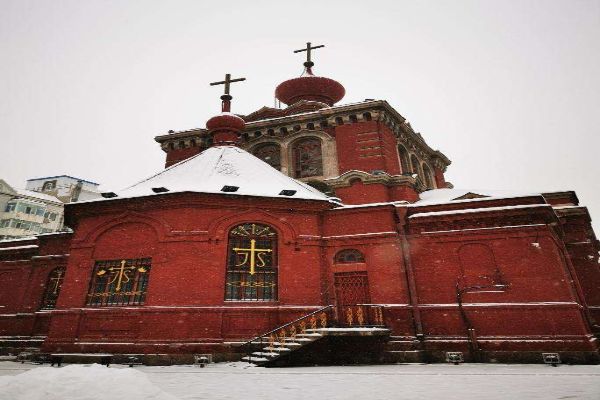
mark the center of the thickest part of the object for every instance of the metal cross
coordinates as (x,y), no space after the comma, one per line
(308,51)
(252,252)
(227,82)
(120,276)
(57,280)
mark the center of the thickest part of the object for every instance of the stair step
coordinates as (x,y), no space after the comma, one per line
(255,359)
(309,335)
(277,349)
(299,339)
(265,354)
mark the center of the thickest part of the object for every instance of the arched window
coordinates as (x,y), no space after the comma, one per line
(307,158)
(252,263)
(269,153)
(404,162)
(349,256)
(53,284)
(428,177)
(416,166)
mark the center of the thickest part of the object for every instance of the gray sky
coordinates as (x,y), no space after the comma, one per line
(508,90)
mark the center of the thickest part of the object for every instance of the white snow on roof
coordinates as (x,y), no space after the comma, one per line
(440,196)
(37,195)
(220,166)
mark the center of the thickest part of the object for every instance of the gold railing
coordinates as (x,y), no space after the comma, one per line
(361,315)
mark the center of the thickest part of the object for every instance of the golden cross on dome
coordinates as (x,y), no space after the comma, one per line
(308,49)
(227,82)
(253,253)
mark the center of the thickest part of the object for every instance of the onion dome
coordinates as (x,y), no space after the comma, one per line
(226,127)
(310,87)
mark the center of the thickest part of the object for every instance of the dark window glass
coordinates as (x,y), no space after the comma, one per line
(252,263)
(349,256)
(269,153)
(53,285)
(119,282)
(307,158)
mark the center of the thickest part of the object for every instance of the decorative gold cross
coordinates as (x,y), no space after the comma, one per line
(227,82)
(120,275)
(56,280)
(253,253)
(308,52)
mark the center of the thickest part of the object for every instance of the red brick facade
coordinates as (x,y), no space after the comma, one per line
(525,267)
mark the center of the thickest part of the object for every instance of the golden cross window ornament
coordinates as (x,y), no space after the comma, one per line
(119,282)
(252,263)
(53,285)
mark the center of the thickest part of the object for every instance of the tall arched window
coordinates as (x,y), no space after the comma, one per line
(307,158)
(252,263)
(416,166)
(53,284)
(404,162)
(269,153)
(349,256)
(428,177)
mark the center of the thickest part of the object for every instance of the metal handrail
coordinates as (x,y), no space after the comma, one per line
(286,325)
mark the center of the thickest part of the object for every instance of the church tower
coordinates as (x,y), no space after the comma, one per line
(363,152)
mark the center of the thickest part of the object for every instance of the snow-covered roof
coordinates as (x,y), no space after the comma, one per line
(219,166)
(37,195)
(441,196)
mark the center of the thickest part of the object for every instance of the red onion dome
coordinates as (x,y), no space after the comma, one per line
(310,87)
(225,122)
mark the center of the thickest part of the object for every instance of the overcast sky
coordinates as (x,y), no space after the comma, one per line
(508,90)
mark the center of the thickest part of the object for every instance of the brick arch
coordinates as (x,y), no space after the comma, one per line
(219,229)
(160,227)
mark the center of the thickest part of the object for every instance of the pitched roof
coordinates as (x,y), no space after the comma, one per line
(219,166)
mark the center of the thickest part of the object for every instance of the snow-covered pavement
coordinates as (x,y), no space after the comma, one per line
(239,381)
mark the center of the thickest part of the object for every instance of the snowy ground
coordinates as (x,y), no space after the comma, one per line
(238,381)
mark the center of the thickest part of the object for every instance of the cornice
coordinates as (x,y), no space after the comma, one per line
(379,110)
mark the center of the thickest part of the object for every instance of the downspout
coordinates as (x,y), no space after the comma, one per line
(400,216)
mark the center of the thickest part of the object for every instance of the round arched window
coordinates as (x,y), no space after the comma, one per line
(349,256)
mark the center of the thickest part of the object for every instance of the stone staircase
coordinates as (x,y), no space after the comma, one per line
(317,338)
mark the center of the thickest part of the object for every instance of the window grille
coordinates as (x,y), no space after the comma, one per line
(307,157)
(269,153)
(53,285)
(252,263)
(119,282)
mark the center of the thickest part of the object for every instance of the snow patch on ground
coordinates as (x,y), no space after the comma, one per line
(81,382)
(235,381)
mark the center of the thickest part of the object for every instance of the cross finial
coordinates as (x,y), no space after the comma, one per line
(308,49)
(226,97)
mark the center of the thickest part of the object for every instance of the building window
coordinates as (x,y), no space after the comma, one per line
(307,158)
(119,282)
(428,177)
(269,153)
(416,166)
(349,256)
(404,161)
(252,263)
(53,285)
(10,207)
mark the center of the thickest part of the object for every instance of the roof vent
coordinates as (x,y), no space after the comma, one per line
(230,189)
(160,189)
(108,195)
(287,192)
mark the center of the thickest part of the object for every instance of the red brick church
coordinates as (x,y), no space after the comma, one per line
(300,226)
